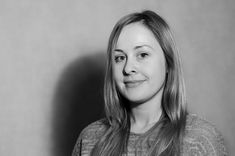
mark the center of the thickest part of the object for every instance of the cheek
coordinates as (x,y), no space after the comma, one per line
(157,71)
(117,77)
(117,73)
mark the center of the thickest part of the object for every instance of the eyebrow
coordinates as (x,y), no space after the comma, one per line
(118,50)
(144,45)
(136,47)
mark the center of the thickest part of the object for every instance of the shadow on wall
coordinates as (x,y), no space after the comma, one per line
(78,101)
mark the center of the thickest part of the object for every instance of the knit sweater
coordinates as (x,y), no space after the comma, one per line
(201,139)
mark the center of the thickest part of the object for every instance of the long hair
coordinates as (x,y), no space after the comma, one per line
(172,123)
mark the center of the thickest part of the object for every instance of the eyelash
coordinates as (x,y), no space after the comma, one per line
(119,58)
(142,55)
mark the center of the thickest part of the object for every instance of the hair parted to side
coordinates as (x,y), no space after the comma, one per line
(172,123)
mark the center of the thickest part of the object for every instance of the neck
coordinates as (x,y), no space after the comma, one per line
(145,115)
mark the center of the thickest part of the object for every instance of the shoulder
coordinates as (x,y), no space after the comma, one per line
(89,136)
(199,125)
(94,129)
(202,137)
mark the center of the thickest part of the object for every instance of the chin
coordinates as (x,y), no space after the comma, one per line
(136,98)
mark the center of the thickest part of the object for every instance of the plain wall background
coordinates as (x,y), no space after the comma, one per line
(51,66)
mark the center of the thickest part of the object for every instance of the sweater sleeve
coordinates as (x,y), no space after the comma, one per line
(77,148)
(88,138)
(203,139)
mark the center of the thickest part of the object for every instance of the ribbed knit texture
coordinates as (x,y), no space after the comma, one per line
(201,139)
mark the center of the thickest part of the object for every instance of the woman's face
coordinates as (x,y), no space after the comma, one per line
(138,64)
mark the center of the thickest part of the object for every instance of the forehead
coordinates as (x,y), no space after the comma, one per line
(136,34)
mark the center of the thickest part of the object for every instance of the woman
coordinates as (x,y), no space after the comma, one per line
(145,102)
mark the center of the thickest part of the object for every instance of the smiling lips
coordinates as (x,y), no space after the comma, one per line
(133,83)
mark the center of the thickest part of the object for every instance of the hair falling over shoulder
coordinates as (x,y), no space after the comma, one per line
(172,124)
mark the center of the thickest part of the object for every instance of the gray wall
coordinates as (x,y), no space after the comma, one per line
(51,66)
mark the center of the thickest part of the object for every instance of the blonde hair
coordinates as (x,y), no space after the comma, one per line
(172,123)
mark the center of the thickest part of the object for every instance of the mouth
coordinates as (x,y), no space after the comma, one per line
(133,83)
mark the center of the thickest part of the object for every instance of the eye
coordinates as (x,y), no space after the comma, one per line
(119,58)
(142,55)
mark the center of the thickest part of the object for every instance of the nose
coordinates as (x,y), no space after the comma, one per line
(129,67)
